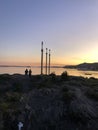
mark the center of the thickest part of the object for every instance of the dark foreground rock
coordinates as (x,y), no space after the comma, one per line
(48,102)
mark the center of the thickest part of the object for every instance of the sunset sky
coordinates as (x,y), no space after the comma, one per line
(68,27)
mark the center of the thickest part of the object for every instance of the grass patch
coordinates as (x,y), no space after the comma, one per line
(68,95)
(92,93)
(13,97)
(4,78)
(4,106)
(17,87)
(10,101)
(45,84)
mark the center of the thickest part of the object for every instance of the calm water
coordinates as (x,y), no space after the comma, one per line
(58,71)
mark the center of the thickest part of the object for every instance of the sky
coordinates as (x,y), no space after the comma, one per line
(68,27)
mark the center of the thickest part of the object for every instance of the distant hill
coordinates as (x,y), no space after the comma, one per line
(84,66)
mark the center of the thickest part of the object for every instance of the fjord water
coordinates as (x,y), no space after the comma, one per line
(58,71)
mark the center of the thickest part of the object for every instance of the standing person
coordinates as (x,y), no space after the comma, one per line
(26,72)
(30,72)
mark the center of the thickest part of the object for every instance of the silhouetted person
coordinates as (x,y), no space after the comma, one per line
(26,72)
(30,72)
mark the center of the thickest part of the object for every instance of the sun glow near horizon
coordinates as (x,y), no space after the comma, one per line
(89,56)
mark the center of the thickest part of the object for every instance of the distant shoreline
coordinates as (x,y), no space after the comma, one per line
(29,66)
(84,66)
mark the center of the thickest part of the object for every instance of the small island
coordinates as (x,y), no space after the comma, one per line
(49,102)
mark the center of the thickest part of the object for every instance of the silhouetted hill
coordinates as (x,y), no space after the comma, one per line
(89,66)
(84,66)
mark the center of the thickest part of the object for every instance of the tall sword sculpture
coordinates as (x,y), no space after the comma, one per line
(49,62)
(42,58)
(46,59)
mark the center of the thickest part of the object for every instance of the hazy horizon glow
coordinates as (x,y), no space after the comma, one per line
(69,28)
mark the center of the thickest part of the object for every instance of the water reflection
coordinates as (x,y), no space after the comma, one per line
(58,71)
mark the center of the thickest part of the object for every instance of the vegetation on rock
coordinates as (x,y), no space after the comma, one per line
(48,102)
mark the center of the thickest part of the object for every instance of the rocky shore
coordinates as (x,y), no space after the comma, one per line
(48,102)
